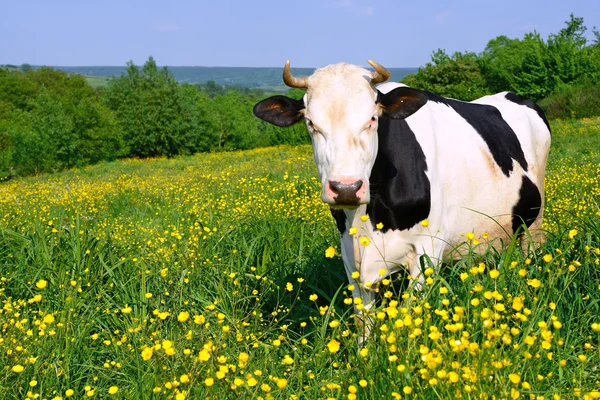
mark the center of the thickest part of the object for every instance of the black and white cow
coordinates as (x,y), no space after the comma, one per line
(403,156)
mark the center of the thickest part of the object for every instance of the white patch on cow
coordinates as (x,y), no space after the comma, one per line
(340,103)
(469,193)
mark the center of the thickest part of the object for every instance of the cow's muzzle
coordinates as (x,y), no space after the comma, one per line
(346,194)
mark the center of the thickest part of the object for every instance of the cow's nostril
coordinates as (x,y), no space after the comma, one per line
(346,192)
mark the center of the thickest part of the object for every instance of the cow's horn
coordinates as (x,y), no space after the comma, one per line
(381,73)
(290,80)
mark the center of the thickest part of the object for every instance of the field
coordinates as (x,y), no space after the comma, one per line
(207,277)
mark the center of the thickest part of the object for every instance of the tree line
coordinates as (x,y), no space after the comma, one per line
(51,120)
(562,72)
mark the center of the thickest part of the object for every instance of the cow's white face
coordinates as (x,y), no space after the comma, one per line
(341,116)
(341,109)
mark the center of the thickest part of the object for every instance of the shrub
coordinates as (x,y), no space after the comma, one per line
(577,102)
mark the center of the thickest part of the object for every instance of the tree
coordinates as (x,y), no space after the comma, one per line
(156,115)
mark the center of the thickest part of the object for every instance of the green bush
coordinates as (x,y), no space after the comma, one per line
(578,102)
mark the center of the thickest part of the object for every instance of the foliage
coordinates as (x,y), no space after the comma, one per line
(530,67)
(207,277)
(51,120)
(457,76)
(156,115)
(573,102)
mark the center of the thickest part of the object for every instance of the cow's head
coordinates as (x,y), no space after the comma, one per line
(341,109)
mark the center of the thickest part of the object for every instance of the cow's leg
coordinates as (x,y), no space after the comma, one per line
(363,296)
(433,251)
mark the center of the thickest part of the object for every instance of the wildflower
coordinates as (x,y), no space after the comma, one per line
(582,357)
(313,297)
(470,235)
(536,283)
(379,226)
(363,383)
(425,223)
(209,382)
(494,273)
(407,390)
(333,346)
(330,252)
(69,392)
(364,241)
(18,369)
(355,275)
(352,231)
(281,383)
(289,286)
(41,284)
(514,378)
(126,310)
(113,390)
(363,352)
(183,316)
(185,378)
(243,357)
(572,233)
(48,319)
(147,353)
(364,218)
(547,258)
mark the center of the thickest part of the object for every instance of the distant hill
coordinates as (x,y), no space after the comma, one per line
(265,78)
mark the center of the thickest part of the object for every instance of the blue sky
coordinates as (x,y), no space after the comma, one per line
(256,33)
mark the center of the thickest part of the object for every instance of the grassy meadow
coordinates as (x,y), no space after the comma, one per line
(207,277)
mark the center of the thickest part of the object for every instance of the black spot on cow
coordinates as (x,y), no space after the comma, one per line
(528,207)
(494,130)
(528,103)
(400,189)
(340,220)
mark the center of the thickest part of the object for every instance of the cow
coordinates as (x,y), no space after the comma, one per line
(430,173)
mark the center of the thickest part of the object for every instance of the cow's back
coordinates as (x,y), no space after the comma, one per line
(485,161)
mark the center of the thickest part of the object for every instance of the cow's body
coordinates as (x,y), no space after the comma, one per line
(402,156)
(450,178)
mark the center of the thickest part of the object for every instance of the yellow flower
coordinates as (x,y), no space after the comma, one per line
(18,368)
(147,353)
(547,258)
(514,378)
(313,297)
(289,287)
(330,252)
(41,284)
(352,231)
(470,235)
(494,273)
(113,390)
(48,319)
(333,346)
(572,233)
(364,241)
(364,351)
(355,275)
(183,316)
(69,392)
(209,382)
(536,283)
(425,223)
(126,310)
(243,357)
(407,390)
(379,226)
(281,383)
(364,218)
(363,383)
(185,378)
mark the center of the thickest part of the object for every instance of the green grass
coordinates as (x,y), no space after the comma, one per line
(213,258)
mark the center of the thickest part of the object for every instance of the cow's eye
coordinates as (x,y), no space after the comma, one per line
(373,119)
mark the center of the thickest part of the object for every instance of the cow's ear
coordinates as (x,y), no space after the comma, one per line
(280,110)
(401,102)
